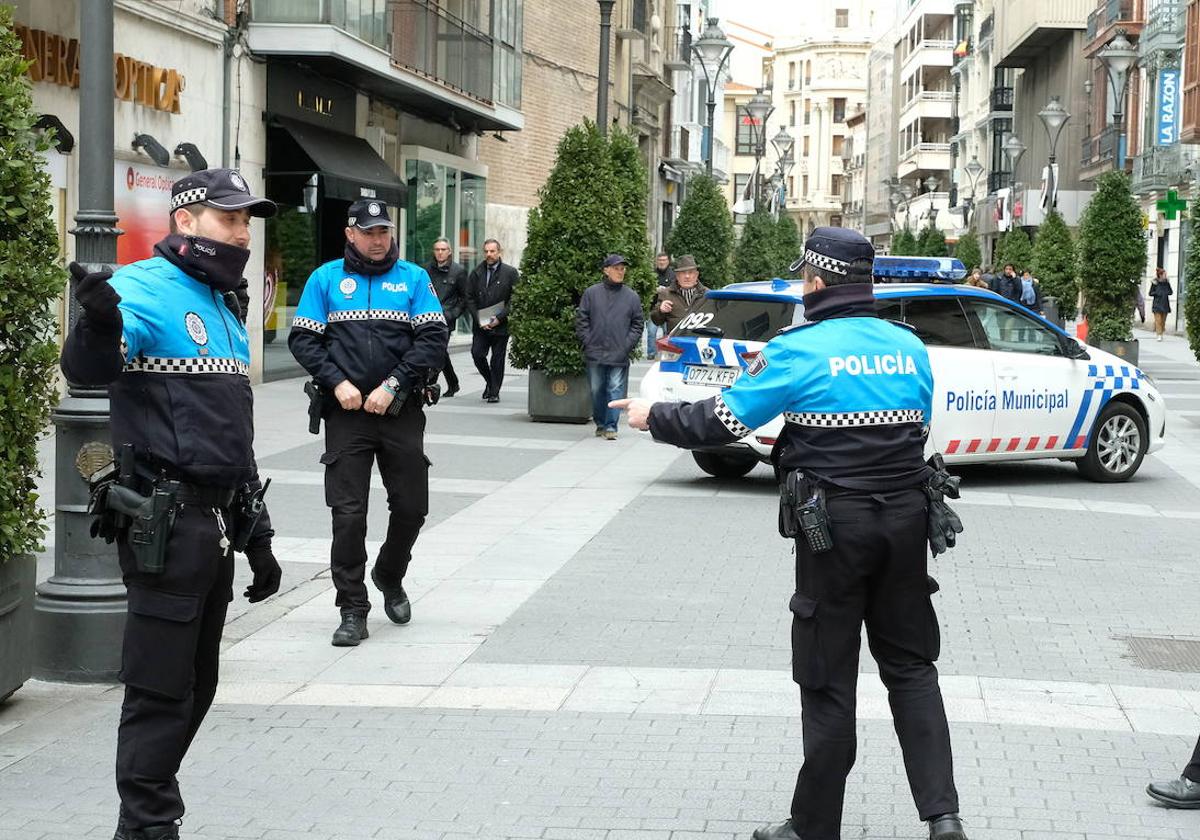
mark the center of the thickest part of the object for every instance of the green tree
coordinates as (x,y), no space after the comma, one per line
(704,229)
(904,244)
(31,278)
(967,250)
(577,221)
(1014,248)
(788,246)
(932,243)
(1112,258)
(756,256)
(633,191)
(1191,300)
(1054,263)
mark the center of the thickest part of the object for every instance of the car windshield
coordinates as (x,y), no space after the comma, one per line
(740,319)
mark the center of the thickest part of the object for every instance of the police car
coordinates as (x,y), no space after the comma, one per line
(1009,385)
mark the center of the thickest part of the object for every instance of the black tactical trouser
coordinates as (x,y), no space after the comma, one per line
(448,371)
(877,573)
(353,441)
(1192,771)
(169,663)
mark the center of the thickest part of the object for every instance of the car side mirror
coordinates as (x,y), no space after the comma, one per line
(1075,349)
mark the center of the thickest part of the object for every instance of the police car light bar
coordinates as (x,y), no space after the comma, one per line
(919,268)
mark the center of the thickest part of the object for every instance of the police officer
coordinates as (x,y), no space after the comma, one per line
(855,392)
(166,334)
(370,330)
(450,282)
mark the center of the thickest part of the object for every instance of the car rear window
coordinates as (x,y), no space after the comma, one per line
(740,319)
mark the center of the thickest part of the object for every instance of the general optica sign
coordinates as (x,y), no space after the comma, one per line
(143,200)
(1168,108)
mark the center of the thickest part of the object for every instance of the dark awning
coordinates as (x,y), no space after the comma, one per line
(349,167)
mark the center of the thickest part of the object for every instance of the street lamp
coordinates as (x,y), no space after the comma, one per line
(783,143)
(606,9)
(931,186)
(1118,57)
(1013,149)
(974,169)
(759,109)
(712,49)
(1054,117)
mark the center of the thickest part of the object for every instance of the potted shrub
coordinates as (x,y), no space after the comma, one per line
(1190,300)
(704,229)
(967,250)
(932,242)
(1112,259)
(592,204)
(30,281)
(904,244)
(1054,268)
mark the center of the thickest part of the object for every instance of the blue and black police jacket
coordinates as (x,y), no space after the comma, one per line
(855,392)
(362,328)
(179,375)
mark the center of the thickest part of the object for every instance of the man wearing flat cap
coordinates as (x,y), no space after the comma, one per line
(609,323)
(167,335)
(855,392)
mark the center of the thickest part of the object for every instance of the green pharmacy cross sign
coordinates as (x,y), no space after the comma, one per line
(1171,205)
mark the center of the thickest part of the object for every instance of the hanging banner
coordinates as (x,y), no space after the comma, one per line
(143,202)
(1168,108)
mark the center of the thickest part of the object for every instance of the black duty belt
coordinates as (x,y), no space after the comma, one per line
(206,495)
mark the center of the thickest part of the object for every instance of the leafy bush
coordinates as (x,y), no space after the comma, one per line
(588,207)
(788,246)
(1191,300)
(968,251)
(755,258)
(704,229)
(1112,258)
(30,280)
(932,243)
(1054,264)
(1014,248)
(904,244)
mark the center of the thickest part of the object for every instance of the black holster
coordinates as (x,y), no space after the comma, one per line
(316,405)
(247,508)
(151,519)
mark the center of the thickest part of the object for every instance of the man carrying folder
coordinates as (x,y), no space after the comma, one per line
(489,296)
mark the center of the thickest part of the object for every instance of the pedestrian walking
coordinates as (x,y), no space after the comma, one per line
(370,331)
(855,392)
(168,337)
(665,275)
(976,280)
(1007,284)
(489,299)
(608,322)
(1031,293)
(674,302)
(1160,305)
(450,283)
(1183,792)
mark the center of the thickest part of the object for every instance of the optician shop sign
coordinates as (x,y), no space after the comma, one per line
(55,60)
(1168,108)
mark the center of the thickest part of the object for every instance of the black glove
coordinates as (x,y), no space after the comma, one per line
(267,574)
(944,524)
(98,299)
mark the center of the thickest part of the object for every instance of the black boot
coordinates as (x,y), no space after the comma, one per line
(352,630)
(783,831)
(170,831)
(947,827)
(395,600)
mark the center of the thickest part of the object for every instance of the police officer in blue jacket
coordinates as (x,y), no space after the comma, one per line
(370,330)
(855,392)
(167,336)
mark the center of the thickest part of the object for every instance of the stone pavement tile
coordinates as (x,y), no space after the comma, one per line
(357,694)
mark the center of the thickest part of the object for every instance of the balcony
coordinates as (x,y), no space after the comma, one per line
(678,43)
(1159,168)
(1164,30)
(928,52)
(1110,15)
(1027,28)
(997,180)
(924,157)
(1002,100)
(929,105)
(986,30)
(1098,153)
(409,52)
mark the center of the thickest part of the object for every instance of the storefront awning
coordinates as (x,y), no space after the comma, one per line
(348,166)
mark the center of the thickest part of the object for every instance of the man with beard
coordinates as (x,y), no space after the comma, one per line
(370,330)
(167,336)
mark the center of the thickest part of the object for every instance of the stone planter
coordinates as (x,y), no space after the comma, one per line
(1127,350)
(559,399)
(17,579)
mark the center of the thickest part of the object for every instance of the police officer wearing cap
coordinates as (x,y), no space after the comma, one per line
(370,330)
(855,392)
(167,336)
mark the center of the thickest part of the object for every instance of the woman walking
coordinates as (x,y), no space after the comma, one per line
(1160,292)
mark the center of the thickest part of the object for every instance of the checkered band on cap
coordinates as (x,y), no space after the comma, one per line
(429,318)
(821,261)
(161,364)
(192,196)
(855,418)
(723,413)
(308,324)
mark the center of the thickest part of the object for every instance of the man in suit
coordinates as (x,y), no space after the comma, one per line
(450,282)
(489,291)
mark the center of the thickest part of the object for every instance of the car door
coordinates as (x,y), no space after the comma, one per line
(1040,389)
(964,385)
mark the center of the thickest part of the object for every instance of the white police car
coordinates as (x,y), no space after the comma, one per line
(1008,385)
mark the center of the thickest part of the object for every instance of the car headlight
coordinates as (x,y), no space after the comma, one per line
(1148,378)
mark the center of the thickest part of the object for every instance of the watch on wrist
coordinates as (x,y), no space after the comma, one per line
(392,384)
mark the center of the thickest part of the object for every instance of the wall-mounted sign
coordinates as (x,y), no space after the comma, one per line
(55,59)
(142,199)
(1168,108)
(292,92)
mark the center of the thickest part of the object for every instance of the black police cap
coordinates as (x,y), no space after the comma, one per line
(224,189)
(368,213)
(834,249)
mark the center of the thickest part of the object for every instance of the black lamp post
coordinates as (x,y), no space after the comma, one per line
(79,613)
(759,109)
(1118,57)
(712,49)
(606,8)
(974,170)
(783,143)
(1054,117)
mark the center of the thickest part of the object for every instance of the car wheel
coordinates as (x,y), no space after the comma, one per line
(724,466)
(1118,446)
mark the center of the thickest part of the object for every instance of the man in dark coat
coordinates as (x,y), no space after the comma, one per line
(675,302)
(1008,284)
(450,282)
(1160,295)
(666,276)
(609,323)
(489,299)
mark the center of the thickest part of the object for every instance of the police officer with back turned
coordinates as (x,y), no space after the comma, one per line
(167,335)
(855,392)
(370,330)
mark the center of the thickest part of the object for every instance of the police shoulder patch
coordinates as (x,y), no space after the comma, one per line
(757,365)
